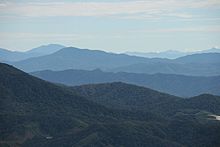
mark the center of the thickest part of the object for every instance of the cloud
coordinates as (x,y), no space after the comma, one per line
(143,8)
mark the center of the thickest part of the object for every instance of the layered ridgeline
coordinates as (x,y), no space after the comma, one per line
(7,55)
(37,113)
(75,58)
(204,64)
(179,85)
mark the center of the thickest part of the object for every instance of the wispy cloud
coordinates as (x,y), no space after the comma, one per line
(24,24)
(35,36)
(57,36)
(200,29)
(145,8)
(122,34)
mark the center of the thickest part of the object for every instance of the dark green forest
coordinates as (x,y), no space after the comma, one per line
(36,113)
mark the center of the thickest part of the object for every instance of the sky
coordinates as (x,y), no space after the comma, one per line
(111,25)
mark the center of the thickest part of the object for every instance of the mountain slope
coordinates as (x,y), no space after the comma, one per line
(189,118)
(184,86)
(124,96)
(127,96)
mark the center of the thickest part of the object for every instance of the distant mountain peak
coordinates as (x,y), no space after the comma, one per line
(78,49)
(69,49)
(46,49)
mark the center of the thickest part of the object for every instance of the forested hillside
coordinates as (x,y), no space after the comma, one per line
(45,114)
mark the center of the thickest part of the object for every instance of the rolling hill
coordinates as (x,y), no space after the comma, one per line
(203,64)
(34,112)
(127,96)
(190,69)
(179,85)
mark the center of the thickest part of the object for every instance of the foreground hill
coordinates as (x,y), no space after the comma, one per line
(179,85)
(33,110)
(127,96)
(37,113)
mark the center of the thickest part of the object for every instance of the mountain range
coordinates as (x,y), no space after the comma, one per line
(58,57)
(76,58)
(37,113)
(8,55)
(179,85)
(204,64)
